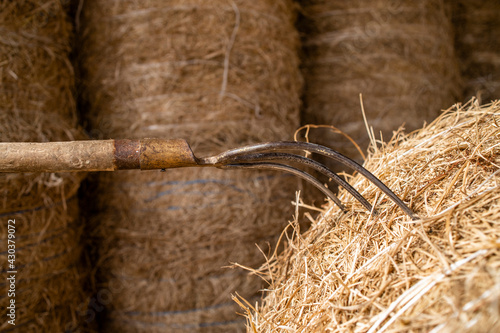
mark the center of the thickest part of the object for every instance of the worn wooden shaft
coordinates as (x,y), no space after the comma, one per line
(97,155)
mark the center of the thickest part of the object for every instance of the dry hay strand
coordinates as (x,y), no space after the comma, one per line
(219,74)
(398,54)
(37,104)
(356,272)
(477,26)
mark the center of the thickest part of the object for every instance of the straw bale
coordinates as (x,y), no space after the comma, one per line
(47,261)
(355,272)
(398,54)
(477,26)
(37,104)
(219,74)
(175,68)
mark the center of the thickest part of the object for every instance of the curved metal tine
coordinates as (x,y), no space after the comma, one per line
(314,148)
(306,162)
(283,167)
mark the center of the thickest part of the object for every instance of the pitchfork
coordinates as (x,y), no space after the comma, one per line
(149,154)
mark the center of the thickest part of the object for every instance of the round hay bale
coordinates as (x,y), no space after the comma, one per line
(220,74)
(49,286)
(37,104)
(175,69)
(477,26)
(398,54)
(354,272)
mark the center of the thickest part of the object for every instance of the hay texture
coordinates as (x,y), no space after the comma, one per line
(477,29)
(355,272)
(188,68)
(398,54)
(220,74)
(37,105)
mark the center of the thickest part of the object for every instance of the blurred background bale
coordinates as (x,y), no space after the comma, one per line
(399,54)
(37,104)
(477,24)
(220,74)
(354,272)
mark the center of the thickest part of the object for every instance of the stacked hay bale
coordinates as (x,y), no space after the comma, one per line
(398,54)
(354,272)
(220,74)
(39,210)
(477,29)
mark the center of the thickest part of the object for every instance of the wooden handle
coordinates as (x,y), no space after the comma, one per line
(98,155)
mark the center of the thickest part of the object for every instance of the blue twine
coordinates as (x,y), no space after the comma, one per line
(132,278)
(41,277)
(176,312)
(58,203)
(52,236)
(180,312)
(184,326)
(156,209)
(19,267)
(183,184)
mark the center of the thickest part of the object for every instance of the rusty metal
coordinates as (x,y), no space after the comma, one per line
(226,158)
(249,158)
(150,154)
(127,154)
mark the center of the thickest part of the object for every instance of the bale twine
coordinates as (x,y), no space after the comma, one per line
(398,54)
(477,25)
(220,74)
(357,273)
(37,104)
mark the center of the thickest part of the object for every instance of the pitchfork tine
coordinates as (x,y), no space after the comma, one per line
(301,160)
(283,167)
(228,156)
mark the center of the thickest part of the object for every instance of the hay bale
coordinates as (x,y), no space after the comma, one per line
(199,71)
(37,104)
(398,54)
(357,273)
(49,285)
(477,25)
(176,68)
